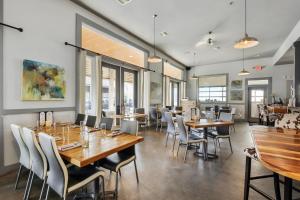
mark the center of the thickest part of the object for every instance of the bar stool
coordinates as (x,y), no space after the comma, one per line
(251,155)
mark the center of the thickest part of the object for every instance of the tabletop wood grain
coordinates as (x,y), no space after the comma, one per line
(100,146)
(203,123)
(278,150)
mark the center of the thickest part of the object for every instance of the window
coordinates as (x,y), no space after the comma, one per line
(212,94)
(213,88)
(89,86)
(107,45)
(172,71)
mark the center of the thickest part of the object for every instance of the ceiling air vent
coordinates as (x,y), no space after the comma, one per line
(124,2)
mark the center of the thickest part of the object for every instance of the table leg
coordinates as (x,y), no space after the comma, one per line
(205,153)
(288,183)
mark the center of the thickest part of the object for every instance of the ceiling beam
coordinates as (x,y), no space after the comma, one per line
(287,44)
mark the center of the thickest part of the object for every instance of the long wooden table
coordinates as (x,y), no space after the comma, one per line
(100,145)
(129,116)
(279,151)
(205,124)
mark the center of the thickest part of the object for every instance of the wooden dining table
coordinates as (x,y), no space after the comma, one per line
(101,144)
(205,124)
(129,116)
(279,151)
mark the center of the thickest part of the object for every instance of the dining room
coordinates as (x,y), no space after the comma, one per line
(133,100)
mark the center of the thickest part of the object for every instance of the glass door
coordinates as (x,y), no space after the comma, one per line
(256,96)
(129,90)
(110,88)
(174,93)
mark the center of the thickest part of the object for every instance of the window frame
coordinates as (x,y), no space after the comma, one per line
(226,89)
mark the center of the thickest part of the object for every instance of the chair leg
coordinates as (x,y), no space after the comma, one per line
(136,172)
(219,142)
(29,188)
(230,144)
(167,137)
(120,172)
(117,185)
(27,184)
(160,126)
(215,145)
(277,186)
(47,193)
(186,150)
(178,148)
(174,143)
(247,178)
(43,188)
(102,188)
(18,176)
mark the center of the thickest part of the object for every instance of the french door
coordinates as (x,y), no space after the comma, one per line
(257,95)
(119,89)
(174,93)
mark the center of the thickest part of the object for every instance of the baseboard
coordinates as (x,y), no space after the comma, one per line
(7,169)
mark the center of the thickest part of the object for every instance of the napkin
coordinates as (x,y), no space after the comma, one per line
(69,146)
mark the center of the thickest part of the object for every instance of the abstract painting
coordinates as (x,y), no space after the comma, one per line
(42,81)
(236,84)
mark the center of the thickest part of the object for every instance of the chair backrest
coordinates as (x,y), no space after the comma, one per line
(183,134)
(163,110)
(171,125)
(216,108)
(140,110)
(210,115)
(178,108)
(208,108)
(225,116)
(289,121)
(37,156)
(24,152)
(79,118)
(169,107)
(91,121)
(233,111)
(153,113)
(128,126)
(225,110)
(57,174)
(107,121)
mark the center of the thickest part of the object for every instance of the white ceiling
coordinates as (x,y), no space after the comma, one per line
(188,21)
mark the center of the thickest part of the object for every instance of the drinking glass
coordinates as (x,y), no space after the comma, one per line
(81,126)
(37,125)
(86,139)
(103,128)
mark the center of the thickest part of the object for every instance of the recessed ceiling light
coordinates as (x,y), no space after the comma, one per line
(124,2)
(163,33)
(130,56)
(231,3)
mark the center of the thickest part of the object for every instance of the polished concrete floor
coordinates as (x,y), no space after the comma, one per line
(163,176)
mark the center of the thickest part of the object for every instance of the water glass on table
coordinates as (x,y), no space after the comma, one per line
(82,126)
(103,128)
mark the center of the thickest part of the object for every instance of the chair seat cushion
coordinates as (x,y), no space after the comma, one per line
(115,161)
(251,152)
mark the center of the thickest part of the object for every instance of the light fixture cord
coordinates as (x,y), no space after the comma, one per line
(245,18)
(154,30)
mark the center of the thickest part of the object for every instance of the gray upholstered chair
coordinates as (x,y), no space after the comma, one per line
(188,138)
(91,121)
(37,158)
(163,118)
(142,121)
(118,160)
(65,180)
(154,116)
(107,121)
(79,118)
(210,115)
(171,129)
(222,132)
(24,160)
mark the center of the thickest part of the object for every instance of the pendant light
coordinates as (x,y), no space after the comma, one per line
(243,72)
(194,77)
(154,58)
(247,41)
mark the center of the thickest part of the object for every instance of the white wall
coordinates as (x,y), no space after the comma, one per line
(47,25)
(279,74)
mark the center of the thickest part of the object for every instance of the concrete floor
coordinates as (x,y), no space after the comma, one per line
(163,176)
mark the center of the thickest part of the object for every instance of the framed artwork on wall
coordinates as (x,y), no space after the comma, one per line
(42,81)
(236,84)
(236,95)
